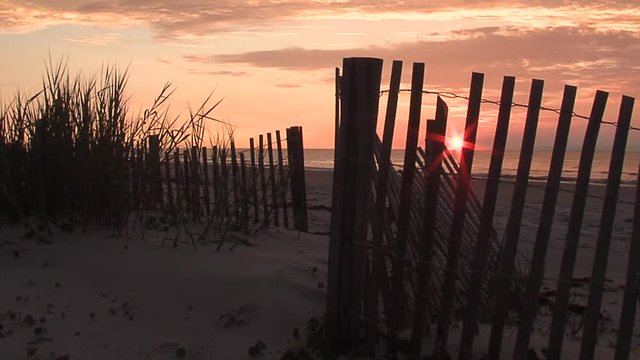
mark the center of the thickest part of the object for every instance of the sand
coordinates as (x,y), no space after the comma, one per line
(103,297)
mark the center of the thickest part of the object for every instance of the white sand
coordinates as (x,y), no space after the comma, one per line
(174,296)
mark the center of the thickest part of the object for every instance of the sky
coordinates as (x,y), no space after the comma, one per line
(272,62)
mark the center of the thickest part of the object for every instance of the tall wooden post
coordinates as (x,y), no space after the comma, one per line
(349,219)
(295,152)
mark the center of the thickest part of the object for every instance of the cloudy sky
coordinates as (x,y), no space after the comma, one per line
(273,61)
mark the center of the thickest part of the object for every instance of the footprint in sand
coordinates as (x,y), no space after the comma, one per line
(238,317)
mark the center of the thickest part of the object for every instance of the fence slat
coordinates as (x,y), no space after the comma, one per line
(195,182)
(244,198)
(592,313)
(460,206)
(536,272)
(217,195)
(378,223)
(254,182)
(167,169)
(561,303)
(235,180)
(282,182)
(178,179)
(400,249)
(349,217)
(272,181)
(205,180)
(263,181)
(512,234)
(479,262)
(436,130)
(632,285)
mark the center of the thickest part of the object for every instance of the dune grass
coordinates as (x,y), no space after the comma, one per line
(73,148)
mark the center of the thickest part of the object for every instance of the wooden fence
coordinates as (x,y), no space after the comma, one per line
(416,250)
(260,185)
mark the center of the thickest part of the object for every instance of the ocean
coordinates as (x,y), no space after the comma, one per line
(322,159)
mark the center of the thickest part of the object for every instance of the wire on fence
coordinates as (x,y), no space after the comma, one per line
(452,95)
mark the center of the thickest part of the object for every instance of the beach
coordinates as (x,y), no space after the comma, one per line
(94,296)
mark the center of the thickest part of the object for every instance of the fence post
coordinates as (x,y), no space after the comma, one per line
(272,180)
(561,303)
(295,153)
(254,182)
(263,181)
(205,179)
(406,193)
(167,169)
(379,215)
(195,179)
(534,281)
(282,182)
(153,163)
(352,177)
(178,178)
(592,313)
(460,206)
(432,171)
(486,220)
(632,285)
(235,180)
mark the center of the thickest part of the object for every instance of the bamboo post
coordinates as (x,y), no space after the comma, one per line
(272,180)
(592,313)
(263,181)
(349,217)
(378,223)
(632,286)
(254,182)
(432,171)
(205,179)
(295,153)
(536,272)
(502,281)
(479,263)
(561,303)
(460,206)
(282,181)
(404,209)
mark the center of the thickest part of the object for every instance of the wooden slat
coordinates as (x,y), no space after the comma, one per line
(205,180)
(254,182)
(561,303)
(432,172)
(235,180)
(408,173)
(632,285)
(272,181)
(596,287)
(460,207)
(536,272)
(502,281)
(378,218)
(263,181)
(282,182)
(478,268)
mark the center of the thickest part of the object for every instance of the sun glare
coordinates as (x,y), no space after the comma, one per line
(456,143)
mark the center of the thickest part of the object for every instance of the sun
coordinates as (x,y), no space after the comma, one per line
(456,142)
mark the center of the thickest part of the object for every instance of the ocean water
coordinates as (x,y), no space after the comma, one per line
(323,159)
